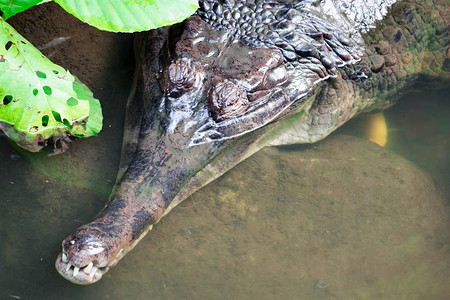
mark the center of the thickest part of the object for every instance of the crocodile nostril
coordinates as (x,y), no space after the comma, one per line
(84,246)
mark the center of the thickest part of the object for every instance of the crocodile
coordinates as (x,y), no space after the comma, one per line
(238,76)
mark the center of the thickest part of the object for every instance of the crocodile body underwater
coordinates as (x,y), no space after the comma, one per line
(241,75)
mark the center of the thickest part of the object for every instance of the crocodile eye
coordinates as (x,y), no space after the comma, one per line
(227,99)
(179,77)
(275,77)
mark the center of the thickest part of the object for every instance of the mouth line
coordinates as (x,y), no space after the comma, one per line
(79,274)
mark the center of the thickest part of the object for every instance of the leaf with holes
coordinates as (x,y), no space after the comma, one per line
(40,100)
(12,7)
(130,15)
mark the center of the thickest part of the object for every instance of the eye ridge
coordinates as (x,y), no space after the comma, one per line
(179,77)
(226,99)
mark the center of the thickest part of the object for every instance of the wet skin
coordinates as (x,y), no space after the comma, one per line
(212,91)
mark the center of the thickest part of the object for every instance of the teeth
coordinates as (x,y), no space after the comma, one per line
(94,269)
(64,258)
(87,270)
(75,271)
(120,253)
(68,267)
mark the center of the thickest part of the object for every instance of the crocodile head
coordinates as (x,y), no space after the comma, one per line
(228,81)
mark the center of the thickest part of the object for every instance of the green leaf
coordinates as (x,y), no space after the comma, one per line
(12,7)
(130,15)
(38,99)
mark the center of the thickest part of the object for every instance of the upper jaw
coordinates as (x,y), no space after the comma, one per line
(81,264)
(86,255)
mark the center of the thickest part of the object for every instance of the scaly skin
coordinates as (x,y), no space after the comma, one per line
(173,146)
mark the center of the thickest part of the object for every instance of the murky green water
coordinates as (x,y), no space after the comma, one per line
(342,219)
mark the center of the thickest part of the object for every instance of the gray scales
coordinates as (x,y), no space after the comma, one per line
(242,75)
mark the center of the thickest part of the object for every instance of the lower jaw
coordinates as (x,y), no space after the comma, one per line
(78,275)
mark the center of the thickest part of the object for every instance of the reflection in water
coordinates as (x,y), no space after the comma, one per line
(342,219)
(419,130)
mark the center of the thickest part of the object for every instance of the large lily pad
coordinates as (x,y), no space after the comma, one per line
(40,100)
(130,15)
